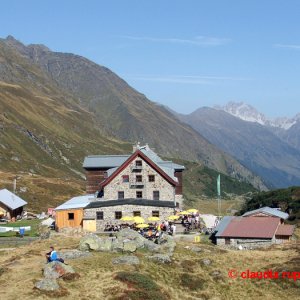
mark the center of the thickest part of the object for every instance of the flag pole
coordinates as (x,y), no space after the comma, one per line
(219,194)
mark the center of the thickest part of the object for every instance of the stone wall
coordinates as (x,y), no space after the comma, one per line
(166,190)
(127,210)
(246,243)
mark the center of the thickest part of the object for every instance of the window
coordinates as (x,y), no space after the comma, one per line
(125,178)
(99,215)
(118,215)
(138,163)
(155,195)
(139,178)
(121,195)
(155,213)
(139,194)
(136,213)
(151,178)
(70,216)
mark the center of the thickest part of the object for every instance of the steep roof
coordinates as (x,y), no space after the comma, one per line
(284,229)
(11,200)
(222,225)
(268,211)
(76,202)
(251,227)
(104,161)
(164,173)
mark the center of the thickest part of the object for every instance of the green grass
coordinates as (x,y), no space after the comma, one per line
(32,233)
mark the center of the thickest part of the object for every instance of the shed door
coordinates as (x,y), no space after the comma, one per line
(227,241)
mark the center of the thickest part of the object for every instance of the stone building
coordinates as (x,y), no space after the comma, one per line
(259,228)
(138,184)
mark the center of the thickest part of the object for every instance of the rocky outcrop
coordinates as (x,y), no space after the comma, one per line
(160,258)
(73,254)
(127,240)
(56,269)
(48,285)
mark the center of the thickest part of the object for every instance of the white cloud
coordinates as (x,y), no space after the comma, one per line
(295,47)
(204,41)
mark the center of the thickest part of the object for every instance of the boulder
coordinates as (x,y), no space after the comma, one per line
(47,284)
(196,249)
(90,242)
(160,258)
(128,260)
(130,246)
(151,246)
(167,244)
(129,234)
(72,254)
(56,269)
(117,246)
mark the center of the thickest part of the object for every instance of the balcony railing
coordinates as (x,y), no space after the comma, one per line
(136,168)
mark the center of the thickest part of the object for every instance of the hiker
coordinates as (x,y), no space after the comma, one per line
(52,256)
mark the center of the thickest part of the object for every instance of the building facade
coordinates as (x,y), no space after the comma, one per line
(139,184)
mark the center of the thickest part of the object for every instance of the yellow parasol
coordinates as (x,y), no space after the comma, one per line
(153,219)
(126,218)
(171,218)
(142,225)
(185,212)
(138,220)
(192,210)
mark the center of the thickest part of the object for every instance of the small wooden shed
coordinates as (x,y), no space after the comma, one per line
(11,205)
(70,213)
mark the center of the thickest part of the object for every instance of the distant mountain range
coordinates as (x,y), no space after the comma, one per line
(55,108)
(270,148)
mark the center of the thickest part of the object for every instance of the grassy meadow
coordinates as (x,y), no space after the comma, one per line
(187,277)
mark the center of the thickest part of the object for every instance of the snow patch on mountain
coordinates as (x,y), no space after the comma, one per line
(248,113)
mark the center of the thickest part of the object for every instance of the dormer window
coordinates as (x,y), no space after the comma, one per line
(138,163)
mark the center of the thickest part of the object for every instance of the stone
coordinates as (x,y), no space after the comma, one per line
(130,246)
(56,269)
(117,246)
(206,262)
(47,284)
(167,244)
(160,258)
(128,260)
(196,249)
(151,246)
(90,242)
(72,254)
(129,234)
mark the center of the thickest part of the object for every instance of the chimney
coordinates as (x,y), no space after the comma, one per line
(135,147)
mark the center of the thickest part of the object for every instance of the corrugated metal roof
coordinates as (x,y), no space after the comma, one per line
(251,227)
(269,211)
(11,200)
(130,201)
(223,224)
(76,202)
(284,229)
(104,161)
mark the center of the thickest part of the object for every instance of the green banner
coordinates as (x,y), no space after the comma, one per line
(219,185)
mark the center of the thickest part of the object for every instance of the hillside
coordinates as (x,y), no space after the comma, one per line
(286,199)
(253,144)
(116,109)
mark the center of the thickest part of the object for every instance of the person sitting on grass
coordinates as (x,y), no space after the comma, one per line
(52,256)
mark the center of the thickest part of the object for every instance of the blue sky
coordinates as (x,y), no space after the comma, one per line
(184,54)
